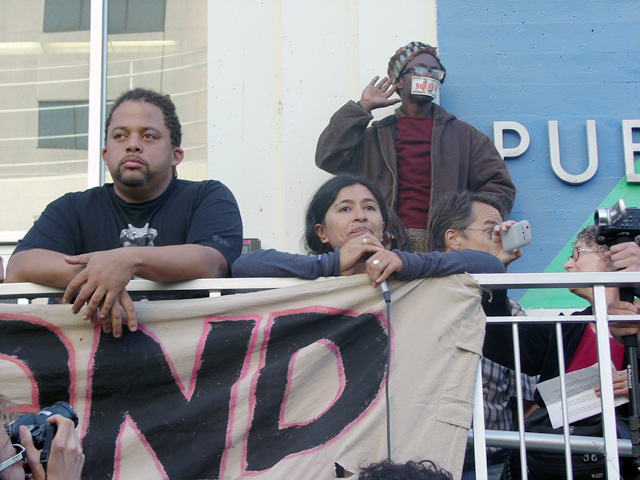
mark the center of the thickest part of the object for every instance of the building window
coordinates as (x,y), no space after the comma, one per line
(63,125)
(125,16)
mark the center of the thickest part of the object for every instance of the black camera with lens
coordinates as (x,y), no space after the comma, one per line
(617,224)
(41,431)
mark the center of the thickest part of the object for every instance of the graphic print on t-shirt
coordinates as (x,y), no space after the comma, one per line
(138,237)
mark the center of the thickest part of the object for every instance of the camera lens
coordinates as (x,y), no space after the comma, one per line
(37,422)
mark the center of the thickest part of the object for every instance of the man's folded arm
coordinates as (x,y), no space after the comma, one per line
(174,263)
(161,264)
(38,265)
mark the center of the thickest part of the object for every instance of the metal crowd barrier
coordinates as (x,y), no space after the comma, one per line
(609,444)
(215,287)
(481,438)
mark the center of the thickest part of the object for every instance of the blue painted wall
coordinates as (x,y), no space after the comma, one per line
(532,62)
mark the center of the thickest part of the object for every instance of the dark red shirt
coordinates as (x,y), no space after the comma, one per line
(587,354)
(413,144)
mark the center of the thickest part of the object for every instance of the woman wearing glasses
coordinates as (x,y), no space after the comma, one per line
(589,256)
(538,340)
(539,355)
(65,459)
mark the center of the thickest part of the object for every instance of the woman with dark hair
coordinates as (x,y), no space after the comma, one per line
(350,230)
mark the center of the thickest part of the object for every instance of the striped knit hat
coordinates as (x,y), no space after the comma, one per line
(405,54)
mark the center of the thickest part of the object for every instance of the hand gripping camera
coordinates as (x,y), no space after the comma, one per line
(616,225)
(41,431)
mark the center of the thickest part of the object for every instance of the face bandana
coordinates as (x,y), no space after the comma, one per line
(426,86)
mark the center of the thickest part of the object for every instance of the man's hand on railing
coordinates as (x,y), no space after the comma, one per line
(122,311)
(621,329)
(101,287)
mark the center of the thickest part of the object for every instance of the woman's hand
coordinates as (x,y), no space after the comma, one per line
(620,385)
(65,457)
(382,264)
(352,252)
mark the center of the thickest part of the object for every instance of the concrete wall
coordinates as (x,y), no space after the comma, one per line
(277,72)
(543,61)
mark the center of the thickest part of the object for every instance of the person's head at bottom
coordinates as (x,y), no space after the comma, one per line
(65,458)
(388,470)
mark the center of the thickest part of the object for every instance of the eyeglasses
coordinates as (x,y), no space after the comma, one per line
(575,255)
(488,231)
(426,72)
(18,457)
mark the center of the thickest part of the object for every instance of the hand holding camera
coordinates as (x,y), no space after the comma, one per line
(507,239)
(518,236)
(51,442)
(65,457)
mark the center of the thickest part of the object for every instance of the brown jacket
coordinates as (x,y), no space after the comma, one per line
(462,157)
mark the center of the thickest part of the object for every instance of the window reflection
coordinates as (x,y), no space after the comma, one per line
(44,89)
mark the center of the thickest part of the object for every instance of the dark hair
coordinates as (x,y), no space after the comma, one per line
(455,211)
(324,198)
(388,470)
(163,102)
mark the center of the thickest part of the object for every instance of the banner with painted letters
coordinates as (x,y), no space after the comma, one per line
(286,383)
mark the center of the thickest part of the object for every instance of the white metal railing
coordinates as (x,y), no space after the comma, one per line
(215,286)
(610,444)
(481,437)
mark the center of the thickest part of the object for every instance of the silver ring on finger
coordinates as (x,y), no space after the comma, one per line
(364,240)
(375,262)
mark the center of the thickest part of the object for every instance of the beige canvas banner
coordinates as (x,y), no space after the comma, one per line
(286,383)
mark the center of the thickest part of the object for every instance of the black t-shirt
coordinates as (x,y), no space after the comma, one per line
(203,213)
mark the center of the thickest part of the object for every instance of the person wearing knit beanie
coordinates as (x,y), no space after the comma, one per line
(407,53)
(401,72)
(418,154)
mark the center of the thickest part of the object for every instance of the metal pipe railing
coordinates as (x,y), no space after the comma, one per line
(609,443)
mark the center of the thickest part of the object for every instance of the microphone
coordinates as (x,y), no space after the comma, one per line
(385,292)
(387,298)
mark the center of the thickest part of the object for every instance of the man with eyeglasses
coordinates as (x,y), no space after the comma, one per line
(418,154)
(65,458)
(473,221)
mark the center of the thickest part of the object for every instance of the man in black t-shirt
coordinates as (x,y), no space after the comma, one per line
(182,230)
